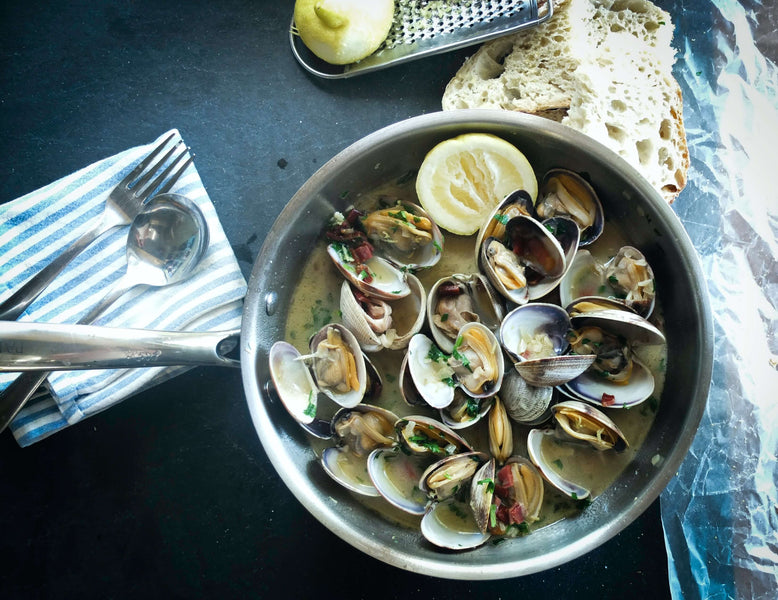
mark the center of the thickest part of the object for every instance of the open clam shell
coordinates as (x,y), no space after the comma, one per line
(536,455)
(478,361)
(405,235)
(568,235)
(450,524)
(525,263)
(593,388)
(430,374)
(379,324)
(450,475)
(425,436)
(583,422)
(395,476)
(338,364)
(358,431)
(375,277)
(460,299)
(622,322)
(293,382)
(565,193)
(514,204)
(626,279)
(465,410)
(535,336)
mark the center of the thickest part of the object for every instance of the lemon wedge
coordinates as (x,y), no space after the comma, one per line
(462,179)
(343,31)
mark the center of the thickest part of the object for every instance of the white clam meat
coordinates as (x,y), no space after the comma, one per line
(380,324)
(566,193)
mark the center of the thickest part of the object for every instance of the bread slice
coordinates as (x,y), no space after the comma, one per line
(603,67)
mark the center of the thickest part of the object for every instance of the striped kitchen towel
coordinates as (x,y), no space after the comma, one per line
(38,226)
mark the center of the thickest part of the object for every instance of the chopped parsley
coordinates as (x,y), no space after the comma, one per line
(436,354)
(500,218)
(310,410)
(437,246)
(558,463)
(489,483)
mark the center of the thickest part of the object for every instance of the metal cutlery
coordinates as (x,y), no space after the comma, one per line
(124,202)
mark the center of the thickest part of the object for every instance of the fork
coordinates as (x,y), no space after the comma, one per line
(123,204)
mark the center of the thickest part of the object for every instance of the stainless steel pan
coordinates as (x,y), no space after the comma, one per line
(646,220)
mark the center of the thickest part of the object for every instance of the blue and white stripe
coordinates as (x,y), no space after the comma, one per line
(37,227)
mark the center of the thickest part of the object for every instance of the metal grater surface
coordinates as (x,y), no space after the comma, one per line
(426,27)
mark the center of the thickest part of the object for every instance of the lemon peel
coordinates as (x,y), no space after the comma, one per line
(341,32)
(462,179)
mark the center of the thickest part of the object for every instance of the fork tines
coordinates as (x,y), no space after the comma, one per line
(138,180)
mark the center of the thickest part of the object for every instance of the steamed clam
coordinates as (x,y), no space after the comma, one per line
(335,367)
(457,300)
(565,193)
(536,337)
(526,263)
(358,432)
(379,324)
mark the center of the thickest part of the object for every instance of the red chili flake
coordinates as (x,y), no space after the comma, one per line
(608,399)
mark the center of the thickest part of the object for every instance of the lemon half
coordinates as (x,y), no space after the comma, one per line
(343,31)
(462,179)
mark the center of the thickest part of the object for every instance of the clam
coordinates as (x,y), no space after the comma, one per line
(335,367)
(565,193)
(465,410)
(425,436)
(358,432)
(513,205)
(477,360)
(525,403)
(475,365)
(526,263)
(504,500)
(500,432)
(379,324)
(582,422)
(405,235)
(631,279)
(555,478)
(450,475)
(536,337)
(450,524)
(338,365)
(374,276)
(457,300)
(395,475)
(616,378)
(626,279)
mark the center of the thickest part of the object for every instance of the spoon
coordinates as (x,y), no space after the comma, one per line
(165,243)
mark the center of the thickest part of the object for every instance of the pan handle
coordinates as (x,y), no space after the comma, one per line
(61,347)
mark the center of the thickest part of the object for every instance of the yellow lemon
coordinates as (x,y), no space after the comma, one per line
(343,31)
(462,179)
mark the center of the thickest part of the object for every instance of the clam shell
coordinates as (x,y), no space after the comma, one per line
(352,397)
(536,319)
(568,411)
(593,388)
(418,258)
(437,439)
(535,451)
(388,282)
(472,335)
(293,382)
(623,322)
(523,402)
(450,524)
(408,316)
(395,476)
(348,470)
(481,494)
(486,304)
(514,204)
(447,418)
(450,475)
(580,189)
(425,373)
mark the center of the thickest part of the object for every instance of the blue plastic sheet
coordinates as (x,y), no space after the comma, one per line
(720,512)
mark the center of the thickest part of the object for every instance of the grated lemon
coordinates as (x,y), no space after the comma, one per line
(462,179)
(343,31)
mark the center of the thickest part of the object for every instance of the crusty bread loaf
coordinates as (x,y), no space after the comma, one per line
(603,67)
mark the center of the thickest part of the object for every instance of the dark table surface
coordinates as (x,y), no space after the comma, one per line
(170,493)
